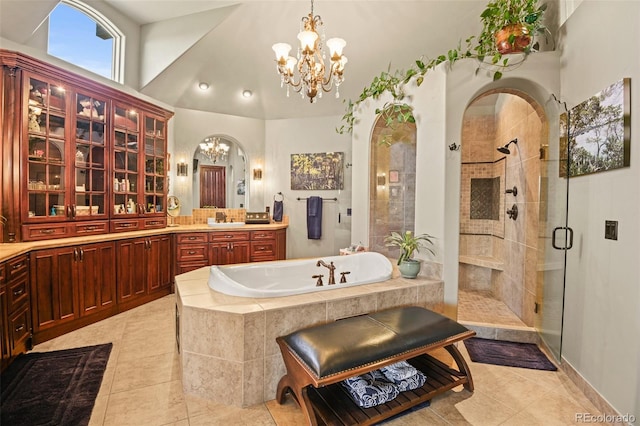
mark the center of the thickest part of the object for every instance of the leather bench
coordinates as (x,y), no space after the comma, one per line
(318,358)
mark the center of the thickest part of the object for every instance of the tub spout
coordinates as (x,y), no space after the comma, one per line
(331,267)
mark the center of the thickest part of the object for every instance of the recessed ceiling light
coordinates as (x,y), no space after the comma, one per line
(203,85)
(247,93)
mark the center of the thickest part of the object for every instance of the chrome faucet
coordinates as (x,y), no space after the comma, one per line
(331,268)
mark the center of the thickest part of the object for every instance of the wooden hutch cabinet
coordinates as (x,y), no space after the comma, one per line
(85,158)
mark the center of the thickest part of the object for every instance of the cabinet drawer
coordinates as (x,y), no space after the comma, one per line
(44,232)
(189,252)
(263,235)
(263,250)
(155,222)
(90,228)
(193,238)
(18,293)
(17,267)
(125,225)
(19,327)
(218,237)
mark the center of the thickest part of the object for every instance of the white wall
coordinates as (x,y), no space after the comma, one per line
(300,136)
(190,127)
(602,321)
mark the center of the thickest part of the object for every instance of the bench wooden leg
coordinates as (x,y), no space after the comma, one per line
(301,396)
(462,365)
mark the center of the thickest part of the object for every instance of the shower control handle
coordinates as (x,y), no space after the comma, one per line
(513,191)
(319,277)
(513,212)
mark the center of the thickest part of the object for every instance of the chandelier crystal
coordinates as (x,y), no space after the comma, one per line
(310,61)
(214,150)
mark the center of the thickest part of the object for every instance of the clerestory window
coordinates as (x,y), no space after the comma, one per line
(84,37)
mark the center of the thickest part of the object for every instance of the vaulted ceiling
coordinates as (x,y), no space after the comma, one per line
(228,45)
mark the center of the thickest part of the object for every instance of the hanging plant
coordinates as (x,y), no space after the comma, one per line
(526,15)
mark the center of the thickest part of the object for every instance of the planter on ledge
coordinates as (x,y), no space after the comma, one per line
(409,268)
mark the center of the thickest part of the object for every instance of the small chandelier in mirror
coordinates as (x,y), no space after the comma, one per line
(214,150)
(310,61)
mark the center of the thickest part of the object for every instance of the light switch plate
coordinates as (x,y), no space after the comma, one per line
(611,229)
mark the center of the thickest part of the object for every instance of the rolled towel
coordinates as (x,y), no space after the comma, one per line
(370,389)
(399,371)
(414,382)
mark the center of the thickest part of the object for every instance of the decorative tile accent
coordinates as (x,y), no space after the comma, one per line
(485,196)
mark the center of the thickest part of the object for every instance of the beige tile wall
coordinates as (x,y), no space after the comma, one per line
(517,286)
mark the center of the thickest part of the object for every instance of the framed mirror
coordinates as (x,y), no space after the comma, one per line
(173,209)
(219,174)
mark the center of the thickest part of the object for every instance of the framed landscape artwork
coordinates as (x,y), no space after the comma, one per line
(317,171)
(599,132)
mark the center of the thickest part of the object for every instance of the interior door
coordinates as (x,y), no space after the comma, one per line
(555,237)
(213,186)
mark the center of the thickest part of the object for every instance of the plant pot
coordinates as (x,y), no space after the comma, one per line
(409,268)
(513,38)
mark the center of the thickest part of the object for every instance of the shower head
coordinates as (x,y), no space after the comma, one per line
(505,149)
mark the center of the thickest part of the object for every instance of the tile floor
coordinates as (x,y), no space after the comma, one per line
(141,385)
(480,306)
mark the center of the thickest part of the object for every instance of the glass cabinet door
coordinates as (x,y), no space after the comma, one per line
(90,153)
(125,162)
(47,151)
(155,176)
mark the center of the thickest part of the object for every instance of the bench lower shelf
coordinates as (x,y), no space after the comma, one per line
(332,404)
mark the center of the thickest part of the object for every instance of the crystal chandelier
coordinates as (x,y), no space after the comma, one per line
(310,61)
(214,150)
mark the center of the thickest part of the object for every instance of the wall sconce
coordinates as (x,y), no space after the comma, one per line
(257,174)
(382,180)
(182,169)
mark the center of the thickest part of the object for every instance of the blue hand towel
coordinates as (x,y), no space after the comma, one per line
(278,209)
(314,218)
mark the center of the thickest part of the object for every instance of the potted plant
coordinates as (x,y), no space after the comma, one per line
(525,17)
(508,26)
(409,244)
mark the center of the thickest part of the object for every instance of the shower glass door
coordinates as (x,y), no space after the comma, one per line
(554,238)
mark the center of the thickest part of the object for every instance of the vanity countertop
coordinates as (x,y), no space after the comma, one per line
(10,250)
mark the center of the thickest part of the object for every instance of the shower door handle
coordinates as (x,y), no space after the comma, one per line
(569,232)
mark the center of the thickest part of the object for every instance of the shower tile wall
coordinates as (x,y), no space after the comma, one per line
(393,201)
(518,119)
(484,129)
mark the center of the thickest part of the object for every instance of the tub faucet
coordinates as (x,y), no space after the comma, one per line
(331,268)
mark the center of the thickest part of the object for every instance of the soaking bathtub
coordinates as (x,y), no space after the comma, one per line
(288,277)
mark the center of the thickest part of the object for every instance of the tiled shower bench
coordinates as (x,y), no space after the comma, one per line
(318,358)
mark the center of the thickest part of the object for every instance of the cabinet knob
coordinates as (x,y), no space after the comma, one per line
(191,252)
(17,265)
(20,327)
(19,292)
(47,231)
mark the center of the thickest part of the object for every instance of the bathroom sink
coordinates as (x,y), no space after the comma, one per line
(213,224)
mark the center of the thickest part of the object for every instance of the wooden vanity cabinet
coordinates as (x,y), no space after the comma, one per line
(71,287)
(192,251)
(16,309)
(4,332)
(229,247)
(143,269)
(197,249)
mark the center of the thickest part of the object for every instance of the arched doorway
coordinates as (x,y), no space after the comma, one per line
(509,276)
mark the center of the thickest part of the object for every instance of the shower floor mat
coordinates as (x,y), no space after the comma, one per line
(509,354)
